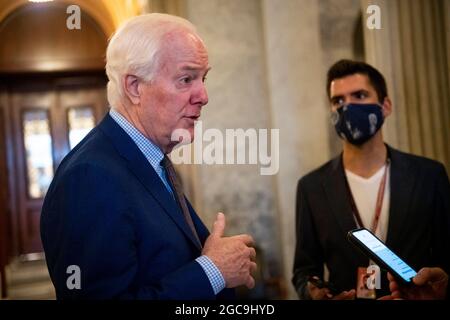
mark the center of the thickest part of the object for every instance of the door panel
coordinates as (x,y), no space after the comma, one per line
(32,129)
(43,125)
(82,109)
(37,144)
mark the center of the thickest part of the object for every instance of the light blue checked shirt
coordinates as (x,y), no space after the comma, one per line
(154,155)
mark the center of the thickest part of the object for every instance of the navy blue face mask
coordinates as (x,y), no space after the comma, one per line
(357,123)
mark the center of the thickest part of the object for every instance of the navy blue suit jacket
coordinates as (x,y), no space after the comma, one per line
(108,212)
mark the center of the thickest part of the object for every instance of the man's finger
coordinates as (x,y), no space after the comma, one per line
(252,254)
(219,226)
(248,240)
(393,286)
(253,267)
(250,282)
(386,298)
(426,275)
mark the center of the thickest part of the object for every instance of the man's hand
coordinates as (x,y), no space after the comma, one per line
(324,293)
(233,256)
(428,284)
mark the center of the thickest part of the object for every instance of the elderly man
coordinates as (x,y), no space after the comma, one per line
(114,214)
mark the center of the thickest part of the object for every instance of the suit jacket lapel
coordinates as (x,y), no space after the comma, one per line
(336,193)
(144,172)
(402,182)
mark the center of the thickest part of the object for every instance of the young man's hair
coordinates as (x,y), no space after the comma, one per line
(344,68)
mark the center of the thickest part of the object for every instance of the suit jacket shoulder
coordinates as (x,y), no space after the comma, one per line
(415,163)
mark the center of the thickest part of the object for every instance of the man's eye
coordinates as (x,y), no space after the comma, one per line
(338,102)
(186,80)
(362,95)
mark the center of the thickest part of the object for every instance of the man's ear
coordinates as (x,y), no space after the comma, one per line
(387,107)
(131,88)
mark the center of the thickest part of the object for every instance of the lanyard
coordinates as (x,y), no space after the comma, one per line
(379,204)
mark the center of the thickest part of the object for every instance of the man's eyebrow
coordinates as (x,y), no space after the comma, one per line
(359,91)
(351,93)
(336,97)
(192,68)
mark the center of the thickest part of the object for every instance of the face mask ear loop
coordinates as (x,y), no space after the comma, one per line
(381,105)
(334,116)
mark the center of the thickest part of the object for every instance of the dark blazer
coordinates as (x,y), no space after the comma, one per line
(419,220)
(108,212)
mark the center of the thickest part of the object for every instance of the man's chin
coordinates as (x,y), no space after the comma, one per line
(182,136)
(191,131)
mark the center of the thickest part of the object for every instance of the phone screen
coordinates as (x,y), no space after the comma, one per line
(380,250)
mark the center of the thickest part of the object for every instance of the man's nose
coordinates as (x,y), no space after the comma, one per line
(200,95)
(350,100)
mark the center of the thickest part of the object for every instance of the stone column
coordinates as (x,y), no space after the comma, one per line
(238,98)
(298,105)
(340,38)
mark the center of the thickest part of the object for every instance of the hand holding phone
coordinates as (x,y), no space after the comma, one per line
(319,283)
(376,250)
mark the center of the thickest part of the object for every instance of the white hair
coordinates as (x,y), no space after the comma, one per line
(134,49)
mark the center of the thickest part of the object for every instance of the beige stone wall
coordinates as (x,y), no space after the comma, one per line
(341,37)
(238,98)
(298,105)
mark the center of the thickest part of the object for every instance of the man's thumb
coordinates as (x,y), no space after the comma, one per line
(219,225)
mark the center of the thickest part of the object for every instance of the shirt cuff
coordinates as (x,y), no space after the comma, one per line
(213,273)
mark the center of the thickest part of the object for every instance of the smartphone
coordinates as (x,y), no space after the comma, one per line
(376,250)
(319,283)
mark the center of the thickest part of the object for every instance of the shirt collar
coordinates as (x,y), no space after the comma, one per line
(151,151)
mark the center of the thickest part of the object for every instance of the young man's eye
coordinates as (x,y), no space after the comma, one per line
(337,102)
(362,95)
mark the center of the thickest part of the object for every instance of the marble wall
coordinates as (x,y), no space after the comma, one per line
(298,105)
(341,37)
(238,98)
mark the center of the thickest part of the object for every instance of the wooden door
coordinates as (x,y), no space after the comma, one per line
(46,124)
(33,144)
(3,204)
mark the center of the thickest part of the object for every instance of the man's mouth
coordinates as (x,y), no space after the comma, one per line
(194,117)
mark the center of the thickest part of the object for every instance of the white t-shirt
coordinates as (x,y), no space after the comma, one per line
(365,193)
